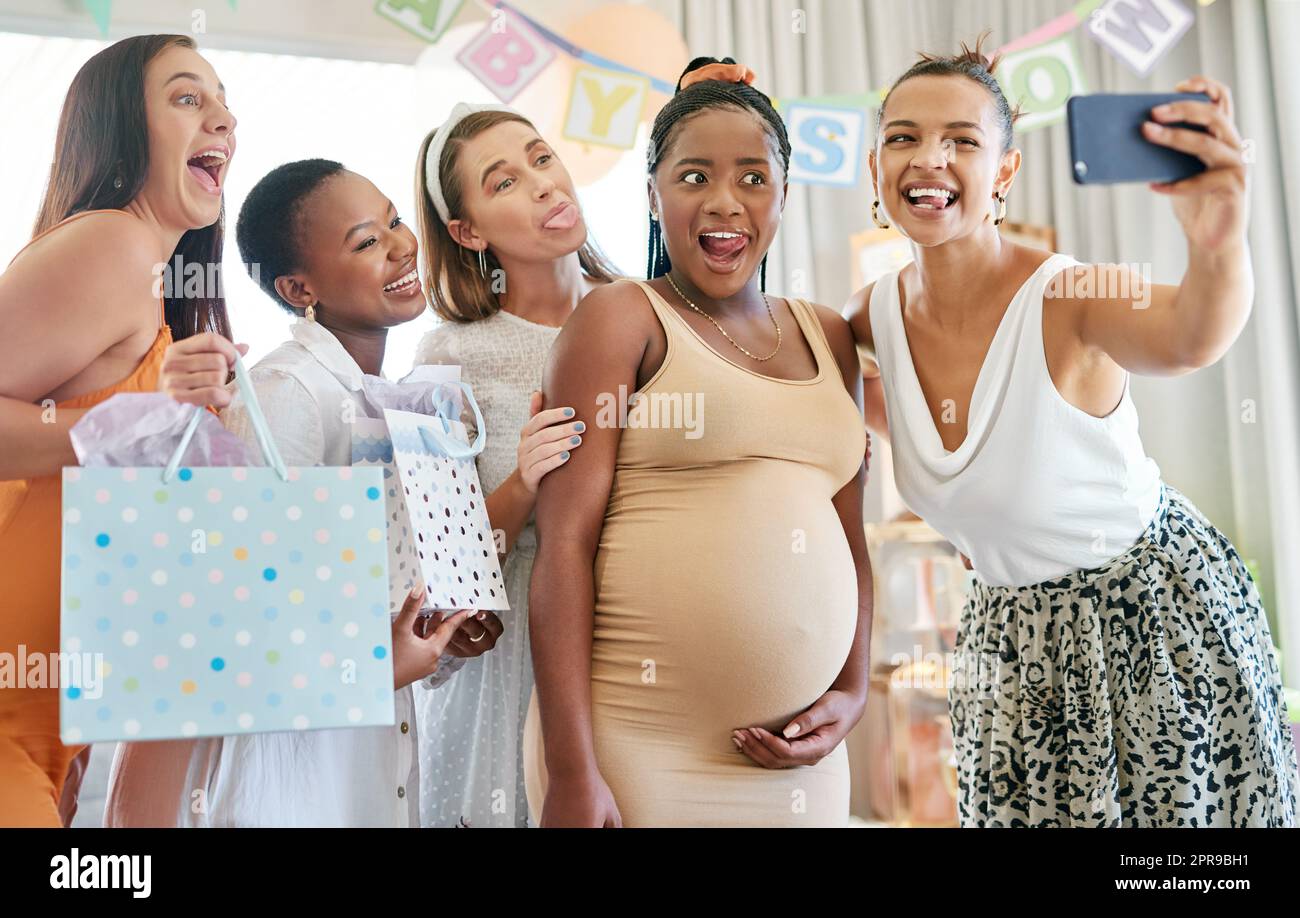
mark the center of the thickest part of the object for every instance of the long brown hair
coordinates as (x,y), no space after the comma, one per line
(456,290)
(103,137)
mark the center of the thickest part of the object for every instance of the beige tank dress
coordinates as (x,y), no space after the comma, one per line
(726,595)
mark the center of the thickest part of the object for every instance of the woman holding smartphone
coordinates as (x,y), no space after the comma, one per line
(1114,666)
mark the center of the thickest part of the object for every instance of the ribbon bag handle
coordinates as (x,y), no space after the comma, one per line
(269,451)
(439,439)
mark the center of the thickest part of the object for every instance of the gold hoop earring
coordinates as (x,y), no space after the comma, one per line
(875,214)
(1002,209)
(310,313)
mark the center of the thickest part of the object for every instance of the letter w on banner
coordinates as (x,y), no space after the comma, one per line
(1139,32)
(507,55)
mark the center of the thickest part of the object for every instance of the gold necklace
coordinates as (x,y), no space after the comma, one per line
(770,314)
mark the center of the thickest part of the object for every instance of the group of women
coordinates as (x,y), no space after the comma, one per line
(690,617)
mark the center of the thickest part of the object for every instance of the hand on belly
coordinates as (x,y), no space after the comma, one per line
(807,739)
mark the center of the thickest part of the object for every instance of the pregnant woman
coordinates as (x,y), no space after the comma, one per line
(701,596)
(143,147)
(1114,666)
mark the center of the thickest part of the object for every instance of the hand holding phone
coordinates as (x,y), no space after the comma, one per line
(1107,145)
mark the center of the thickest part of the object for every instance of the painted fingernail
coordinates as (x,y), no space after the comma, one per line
(568,412)
(790,731)
(575,440)
(579,427)
(564,455)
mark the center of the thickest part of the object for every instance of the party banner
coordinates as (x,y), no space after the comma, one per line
(507,55)
(605,107)
(428,19)
(102,12)
(1139,32)
(1041,79)
(825,144)
(1040,67)
(569,48)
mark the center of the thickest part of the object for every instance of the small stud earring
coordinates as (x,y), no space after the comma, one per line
(117,183)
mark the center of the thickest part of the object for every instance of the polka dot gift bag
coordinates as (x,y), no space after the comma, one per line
(217,601)
(451,536)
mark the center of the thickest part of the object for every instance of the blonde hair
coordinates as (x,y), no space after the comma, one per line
(456,290)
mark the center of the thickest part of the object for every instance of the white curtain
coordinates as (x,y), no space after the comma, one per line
(1228,436)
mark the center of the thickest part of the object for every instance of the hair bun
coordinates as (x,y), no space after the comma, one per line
(699,63)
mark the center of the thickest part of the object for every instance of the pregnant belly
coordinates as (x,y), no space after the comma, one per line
(735,619)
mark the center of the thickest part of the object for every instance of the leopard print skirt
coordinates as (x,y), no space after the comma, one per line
(1144,692)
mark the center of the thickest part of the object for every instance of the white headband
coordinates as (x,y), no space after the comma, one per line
(434,156)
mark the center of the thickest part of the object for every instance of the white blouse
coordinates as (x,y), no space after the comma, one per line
(471,767)
(1038,488)
(309,388)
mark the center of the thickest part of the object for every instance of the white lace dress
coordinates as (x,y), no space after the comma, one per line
(471,728)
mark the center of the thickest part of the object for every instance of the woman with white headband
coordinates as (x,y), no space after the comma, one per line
(507,258)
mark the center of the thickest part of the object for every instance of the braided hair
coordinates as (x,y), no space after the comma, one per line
(692,101)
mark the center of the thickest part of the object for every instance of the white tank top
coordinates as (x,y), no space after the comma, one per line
(1038,488)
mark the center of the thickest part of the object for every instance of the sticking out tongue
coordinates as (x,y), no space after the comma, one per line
(565,219)
(933,200)
(204,176)
(723,248)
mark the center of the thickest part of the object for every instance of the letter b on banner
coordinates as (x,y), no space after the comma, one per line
(506,60)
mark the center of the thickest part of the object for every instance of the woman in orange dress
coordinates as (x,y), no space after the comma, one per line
(144,142)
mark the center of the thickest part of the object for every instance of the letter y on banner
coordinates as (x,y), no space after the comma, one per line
(605,107)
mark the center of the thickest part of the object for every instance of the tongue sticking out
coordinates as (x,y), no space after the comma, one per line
(204,176)
(723,248)
(565,219)
(933,200)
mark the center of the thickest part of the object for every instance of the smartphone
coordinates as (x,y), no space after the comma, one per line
(1107,145)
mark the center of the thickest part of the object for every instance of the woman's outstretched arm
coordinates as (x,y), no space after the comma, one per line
(1161,329)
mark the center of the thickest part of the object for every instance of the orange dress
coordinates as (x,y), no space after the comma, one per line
(33,761)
